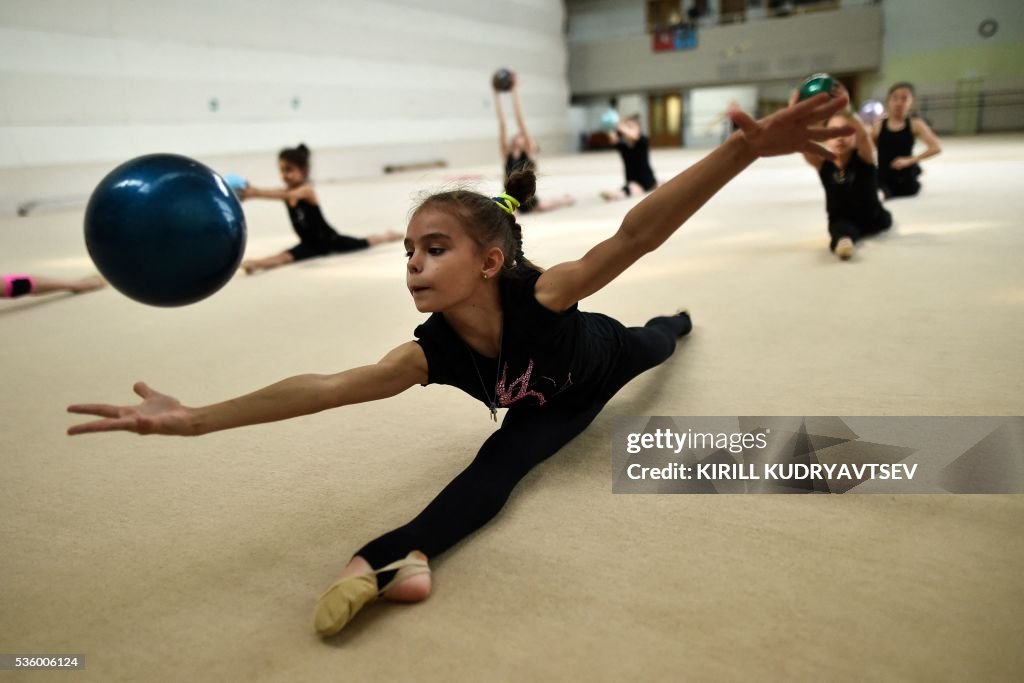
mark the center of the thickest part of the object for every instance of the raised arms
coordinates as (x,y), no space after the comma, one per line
(502,132)
(531,144)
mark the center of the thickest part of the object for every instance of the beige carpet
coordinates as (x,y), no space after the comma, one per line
(200,559)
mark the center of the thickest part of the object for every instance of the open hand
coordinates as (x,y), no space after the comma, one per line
(900,163)
(157,414)
(796,128)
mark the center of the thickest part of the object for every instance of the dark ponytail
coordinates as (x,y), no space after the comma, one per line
(522,185)
(297,156)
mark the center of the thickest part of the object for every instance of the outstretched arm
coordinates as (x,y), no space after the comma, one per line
(814,160)
(502,132)
(290,195)
(159,413)
(716,121)
(531,144)
(865,143)
(653,220)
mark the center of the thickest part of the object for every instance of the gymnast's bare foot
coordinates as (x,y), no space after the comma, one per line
(403,588)
(845,249)
(87,284)
(381,238)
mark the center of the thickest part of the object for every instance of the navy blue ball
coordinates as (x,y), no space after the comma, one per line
(502,80)
(165,230)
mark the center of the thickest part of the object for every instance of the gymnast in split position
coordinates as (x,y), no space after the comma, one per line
(501,329)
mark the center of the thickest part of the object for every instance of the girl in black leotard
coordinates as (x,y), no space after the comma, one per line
(851,186)
(316,237)
(520,151)
(504,331)
(895,134)
(635,149)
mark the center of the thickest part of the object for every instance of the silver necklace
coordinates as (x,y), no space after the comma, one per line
(492,399)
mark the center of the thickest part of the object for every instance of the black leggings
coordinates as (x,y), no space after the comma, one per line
(528,435)
(332,244)
(902,183)
(838,228)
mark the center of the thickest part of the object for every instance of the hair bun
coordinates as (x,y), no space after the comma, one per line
(298,156)
(522,183)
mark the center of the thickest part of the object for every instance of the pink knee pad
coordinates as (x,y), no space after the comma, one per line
(18,285)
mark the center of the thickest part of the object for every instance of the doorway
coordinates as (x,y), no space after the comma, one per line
(666,112)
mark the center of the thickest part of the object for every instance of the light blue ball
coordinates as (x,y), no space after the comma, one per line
(236,182)
(609,120)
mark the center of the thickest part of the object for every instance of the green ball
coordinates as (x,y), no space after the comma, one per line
(816,84)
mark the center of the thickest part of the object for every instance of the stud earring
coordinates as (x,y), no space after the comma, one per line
(485,276)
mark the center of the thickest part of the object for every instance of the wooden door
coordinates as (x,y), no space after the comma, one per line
(666,112)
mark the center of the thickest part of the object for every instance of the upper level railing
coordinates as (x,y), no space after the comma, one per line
(974,111)
(753,10)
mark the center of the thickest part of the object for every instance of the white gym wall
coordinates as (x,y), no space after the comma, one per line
(87,85)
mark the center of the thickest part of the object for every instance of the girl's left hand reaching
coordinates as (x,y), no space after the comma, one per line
(796,128)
